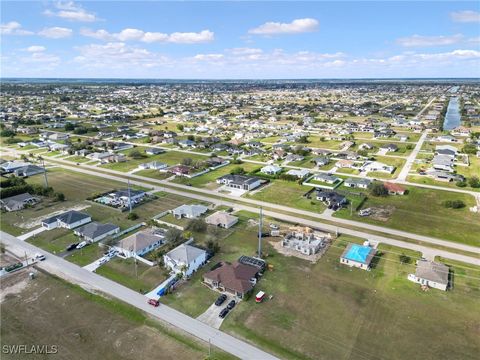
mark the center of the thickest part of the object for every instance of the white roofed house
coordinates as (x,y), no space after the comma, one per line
(189,211)
(271,170)
(299,173)
(185,259)
(153,165)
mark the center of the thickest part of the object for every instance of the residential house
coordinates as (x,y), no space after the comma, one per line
(96,231)
(394,189)
(431,274)
(305,241)
(29,170)
(389,147)
(153,165)
(243,182)
(359,256)
(18,202)
(333,199)
(68,220)
(154,151)
(327,178)
(237,279)
(189,211)
(357,183)
(298,173)
(321,161)
(271,170)
(222,219)
(141,242)
(185,259)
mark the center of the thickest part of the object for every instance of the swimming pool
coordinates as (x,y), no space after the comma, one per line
(358,253)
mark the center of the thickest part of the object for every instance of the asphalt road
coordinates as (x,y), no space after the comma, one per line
(85,278)
(411,159)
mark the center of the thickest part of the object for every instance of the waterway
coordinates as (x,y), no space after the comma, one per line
(452,117)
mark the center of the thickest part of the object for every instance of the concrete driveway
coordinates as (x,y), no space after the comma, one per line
(210,316)
(32,233)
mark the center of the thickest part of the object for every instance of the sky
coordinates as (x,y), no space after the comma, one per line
(240,40)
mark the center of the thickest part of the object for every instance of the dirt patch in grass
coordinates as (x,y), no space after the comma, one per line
(30,223)
(382,213)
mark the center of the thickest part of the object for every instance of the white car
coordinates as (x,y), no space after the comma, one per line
(102,261)
(40,257)
(82,244)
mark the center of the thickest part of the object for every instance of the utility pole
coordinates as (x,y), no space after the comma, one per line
(129,198)
(44,173)
(260,225)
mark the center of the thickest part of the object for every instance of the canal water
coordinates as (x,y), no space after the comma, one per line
(452,117)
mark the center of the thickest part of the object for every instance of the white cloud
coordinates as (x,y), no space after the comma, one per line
(297,26)
(150,37)
(13,28)
(425,41)
(209,57)
(56,32)
(36,48)
(71,11)
(465,16)
(117,55)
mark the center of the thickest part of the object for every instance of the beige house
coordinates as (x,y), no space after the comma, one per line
(222,219)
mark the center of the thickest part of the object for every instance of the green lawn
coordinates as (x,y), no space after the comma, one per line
(122,271)
(420,179)
(421,211)
(288,193)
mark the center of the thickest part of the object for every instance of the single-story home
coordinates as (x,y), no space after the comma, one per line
(237,279)
(358,256)
(389,147)
(243,182)
(96,231)
(357,183)
(141,242)
(153,165)
(331,198)
(18,202)
(271,169)
(321,161)
(394,189)
(154,151)
(69,220)
(185,259)
(431,274)
(189,211)
(222,219)
(327,178)
(29,170)
(299,173)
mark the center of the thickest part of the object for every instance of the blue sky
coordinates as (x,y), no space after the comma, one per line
(340,39)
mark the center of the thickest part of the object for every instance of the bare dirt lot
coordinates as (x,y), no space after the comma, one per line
(47,311)
(382,213)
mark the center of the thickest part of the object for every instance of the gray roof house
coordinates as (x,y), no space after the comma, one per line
(431,274)
(18,202)
(242,182)
(185,259)
(357,183)
(29,170)
(69,220)
(141,242)
(189,211)
(222,219)
(96,231)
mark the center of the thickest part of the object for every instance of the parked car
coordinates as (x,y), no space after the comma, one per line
(71,246)
(102,261)
(231,305)
(259,297)
(221,299)
(40,257)
(223,313)
(153,302)
(82,245)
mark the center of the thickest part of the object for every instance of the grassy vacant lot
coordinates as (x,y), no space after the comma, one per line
(422,211)
(288,193)
(329,311)
(154,174)
(429,181)
(208,179)
(123,272)
(86,326)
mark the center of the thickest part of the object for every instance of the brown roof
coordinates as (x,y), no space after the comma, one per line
(234,276)
(393,187)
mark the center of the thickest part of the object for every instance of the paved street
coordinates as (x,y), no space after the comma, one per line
(85,278)
(411,159)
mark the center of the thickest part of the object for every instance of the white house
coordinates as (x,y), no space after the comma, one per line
(141,242)
(358,256)
(271,169)
(189,211)
(431,274)
(185,259)
(299,173)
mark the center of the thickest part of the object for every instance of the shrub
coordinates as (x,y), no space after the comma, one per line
(378,189)
(132,216)
(474,182)
(454,204)
(462,183)
(197,225)
(59,196)
(237,171)
(404,259)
